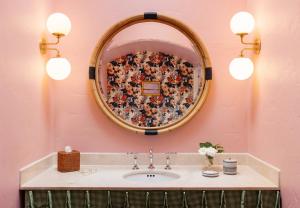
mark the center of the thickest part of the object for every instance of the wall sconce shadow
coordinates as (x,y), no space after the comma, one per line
(241,24)
(59,25)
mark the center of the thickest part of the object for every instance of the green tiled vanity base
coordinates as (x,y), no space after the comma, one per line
(152,199)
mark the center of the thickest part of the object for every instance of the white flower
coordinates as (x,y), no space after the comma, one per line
(202,151)
(211,151)
(208,151)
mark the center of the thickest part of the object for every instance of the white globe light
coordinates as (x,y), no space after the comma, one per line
(58,68)
(241,68)
(242,22)
(59,24)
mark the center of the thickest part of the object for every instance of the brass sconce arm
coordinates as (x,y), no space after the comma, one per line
(246,49)
(256,45)
(44,45)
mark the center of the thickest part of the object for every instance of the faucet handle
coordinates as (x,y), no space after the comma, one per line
(135,165)
(135,158)
(168,159)
(168,166)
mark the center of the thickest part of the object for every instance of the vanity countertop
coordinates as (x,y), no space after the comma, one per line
(108,177)
(253,174)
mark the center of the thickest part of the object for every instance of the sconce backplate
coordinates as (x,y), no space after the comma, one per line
(257,42)
(43,46)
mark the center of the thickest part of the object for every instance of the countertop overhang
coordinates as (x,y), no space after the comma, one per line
(105,171)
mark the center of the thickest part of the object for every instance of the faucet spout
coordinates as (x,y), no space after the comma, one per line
(151,166)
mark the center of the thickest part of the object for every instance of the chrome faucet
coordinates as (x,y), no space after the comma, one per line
(151,166)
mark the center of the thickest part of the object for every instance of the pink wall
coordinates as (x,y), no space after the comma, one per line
(274,114)
(39,115)
(80,123)
(25,122)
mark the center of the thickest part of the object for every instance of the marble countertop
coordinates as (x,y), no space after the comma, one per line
(111,177)
(106,171)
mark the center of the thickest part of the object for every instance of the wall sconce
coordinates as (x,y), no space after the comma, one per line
(241,24)
(59,25)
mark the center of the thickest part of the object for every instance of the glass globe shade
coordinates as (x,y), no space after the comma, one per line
(242,22)
(58,68)
(241,68)
(58,23)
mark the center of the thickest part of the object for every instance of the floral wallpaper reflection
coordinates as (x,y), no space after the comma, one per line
(125,77)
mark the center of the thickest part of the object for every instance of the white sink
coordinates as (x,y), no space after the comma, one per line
(151,176)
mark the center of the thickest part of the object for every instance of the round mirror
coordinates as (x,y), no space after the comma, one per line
(150,73)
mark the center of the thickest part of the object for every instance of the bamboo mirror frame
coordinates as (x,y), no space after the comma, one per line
(206,71)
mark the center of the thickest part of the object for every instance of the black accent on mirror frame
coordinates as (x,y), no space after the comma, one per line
(151,132)
(92,72)
(208,73)
(150,15)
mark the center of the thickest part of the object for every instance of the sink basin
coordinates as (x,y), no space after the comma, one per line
(151,176)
